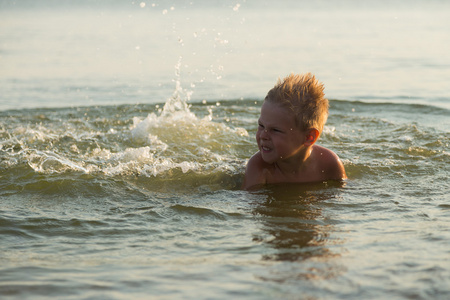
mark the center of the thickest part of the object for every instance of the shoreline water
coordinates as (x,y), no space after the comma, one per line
(119,57)
(124,137)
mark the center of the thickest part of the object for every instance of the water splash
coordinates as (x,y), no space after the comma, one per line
(178,139)
(180,98)
(169,144)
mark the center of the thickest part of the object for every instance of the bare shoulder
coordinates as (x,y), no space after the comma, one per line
(330,163)
(255,172)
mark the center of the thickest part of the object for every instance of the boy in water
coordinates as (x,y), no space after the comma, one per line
(292,118)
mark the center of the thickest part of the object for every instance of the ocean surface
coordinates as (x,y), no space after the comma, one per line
(125,127)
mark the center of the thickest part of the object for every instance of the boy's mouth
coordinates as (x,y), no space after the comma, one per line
(265,149)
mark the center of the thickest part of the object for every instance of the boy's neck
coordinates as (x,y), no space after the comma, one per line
(295,164)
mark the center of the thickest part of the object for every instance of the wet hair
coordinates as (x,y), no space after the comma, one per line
(303,95)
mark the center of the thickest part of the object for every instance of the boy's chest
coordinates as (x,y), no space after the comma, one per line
(312,174)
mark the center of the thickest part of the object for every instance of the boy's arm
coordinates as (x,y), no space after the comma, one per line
(254,172)
(329,162)
(336,170)
(339,170)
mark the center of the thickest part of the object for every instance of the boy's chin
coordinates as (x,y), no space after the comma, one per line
(268,159)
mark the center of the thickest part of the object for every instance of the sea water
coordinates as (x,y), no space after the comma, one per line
(126,126)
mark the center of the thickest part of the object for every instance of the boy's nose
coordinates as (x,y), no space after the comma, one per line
(264,135)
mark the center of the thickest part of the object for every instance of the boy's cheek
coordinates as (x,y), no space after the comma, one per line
(258,141)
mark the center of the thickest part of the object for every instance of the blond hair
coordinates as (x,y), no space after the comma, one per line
(303,95)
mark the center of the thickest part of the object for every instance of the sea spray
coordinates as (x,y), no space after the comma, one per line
(181,140)
(170,146)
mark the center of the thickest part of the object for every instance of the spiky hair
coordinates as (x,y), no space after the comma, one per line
(303,95)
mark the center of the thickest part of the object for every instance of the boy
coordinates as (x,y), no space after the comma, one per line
(292,117)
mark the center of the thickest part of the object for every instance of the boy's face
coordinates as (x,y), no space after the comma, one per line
(278,137)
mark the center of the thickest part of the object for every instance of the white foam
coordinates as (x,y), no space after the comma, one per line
(167,142)
(49,162)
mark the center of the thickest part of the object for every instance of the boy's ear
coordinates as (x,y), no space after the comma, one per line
(311,136)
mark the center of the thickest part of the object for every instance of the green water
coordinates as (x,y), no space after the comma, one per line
(115,186)
(138,201)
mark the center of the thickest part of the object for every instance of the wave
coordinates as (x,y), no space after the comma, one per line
(400,103)
(168,145)
(181,144)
